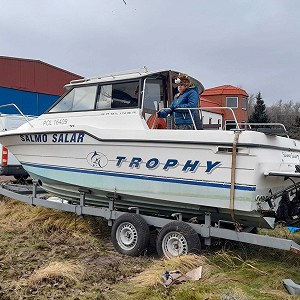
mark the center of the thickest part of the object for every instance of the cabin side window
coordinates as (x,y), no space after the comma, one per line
(118,95)
(78,99)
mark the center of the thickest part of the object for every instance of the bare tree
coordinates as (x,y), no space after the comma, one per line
(287,113)
(251,103)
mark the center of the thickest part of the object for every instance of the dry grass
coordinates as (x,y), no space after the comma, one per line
(85,267)
(68,272)
(281,232)
(234,294)
(44,256)
(234,261)
(14,214)
(152,276)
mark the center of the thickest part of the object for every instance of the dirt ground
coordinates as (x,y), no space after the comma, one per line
(50,254)
(26,249)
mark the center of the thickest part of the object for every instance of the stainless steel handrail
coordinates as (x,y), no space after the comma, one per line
(224,107)
(264,124)
(14,105)
(248,125)
(207,108)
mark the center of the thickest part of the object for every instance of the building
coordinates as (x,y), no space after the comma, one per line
(211,118)
(32,85)
(226,96)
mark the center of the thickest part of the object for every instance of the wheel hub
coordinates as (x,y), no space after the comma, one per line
(126,236)
(174,244)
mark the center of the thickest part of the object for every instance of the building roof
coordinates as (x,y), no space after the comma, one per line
(205,102)
(33,75)
(224,90)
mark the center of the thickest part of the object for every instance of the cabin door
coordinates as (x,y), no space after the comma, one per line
(153,99)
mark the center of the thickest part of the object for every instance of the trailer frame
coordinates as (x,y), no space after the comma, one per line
(206,230)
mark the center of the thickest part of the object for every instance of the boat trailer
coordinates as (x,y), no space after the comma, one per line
(130,230)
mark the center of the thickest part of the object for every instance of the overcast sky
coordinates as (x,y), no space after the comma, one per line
(253,44)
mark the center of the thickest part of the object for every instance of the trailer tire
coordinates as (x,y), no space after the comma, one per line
(130,234)
(176,239)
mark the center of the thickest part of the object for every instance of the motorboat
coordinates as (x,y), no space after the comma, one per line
(103,136)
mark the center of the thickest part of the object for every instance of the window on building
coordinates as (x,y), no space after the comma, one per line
(232,102)
(244,103)
(78,99)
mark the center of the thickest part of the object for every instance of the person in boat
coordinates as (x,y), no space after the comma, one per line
(187,97)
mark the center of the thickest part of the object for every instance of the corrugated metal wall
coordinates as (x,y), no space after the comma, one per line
(32,85)
(33,76)
(29,103)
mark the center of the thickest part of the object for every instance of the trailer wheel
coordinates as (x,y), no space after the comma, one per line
(176,239)
(130,234)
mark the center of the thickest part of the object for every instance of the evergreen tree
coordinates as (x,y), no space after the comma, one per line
(259,114)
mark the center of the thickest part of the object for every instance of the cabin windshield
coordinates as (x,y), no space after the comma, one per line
(79,98)
(99,97)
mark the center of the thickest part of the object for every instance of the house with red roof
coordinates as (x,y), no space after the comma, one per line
(225,96)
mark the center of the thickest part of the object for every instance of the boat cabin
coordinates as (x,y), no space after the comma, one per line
(142,91)
(130,101)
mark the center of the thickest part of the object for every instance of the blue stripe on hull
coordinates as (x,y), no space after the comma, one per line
(144,177)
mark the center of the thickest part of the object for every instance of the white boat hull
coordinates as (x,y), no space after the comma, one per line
(157,171)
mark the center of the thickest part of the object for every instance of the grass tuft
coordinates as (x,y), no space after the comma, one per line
(68,272)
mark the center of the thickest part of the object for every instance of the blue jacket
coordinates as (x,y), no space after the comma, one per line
(188,99)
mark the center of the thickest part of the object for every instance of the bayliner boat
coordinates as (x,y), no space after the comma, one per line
(102,136)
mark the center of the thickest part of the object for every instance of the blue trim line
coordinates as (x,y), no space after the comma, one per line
(145,177)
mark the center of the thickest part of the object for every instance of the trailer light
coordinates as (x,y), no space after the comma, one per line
(4,156)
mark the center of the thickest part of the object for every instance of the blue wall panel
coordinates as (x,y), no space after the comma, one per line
(30,103)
